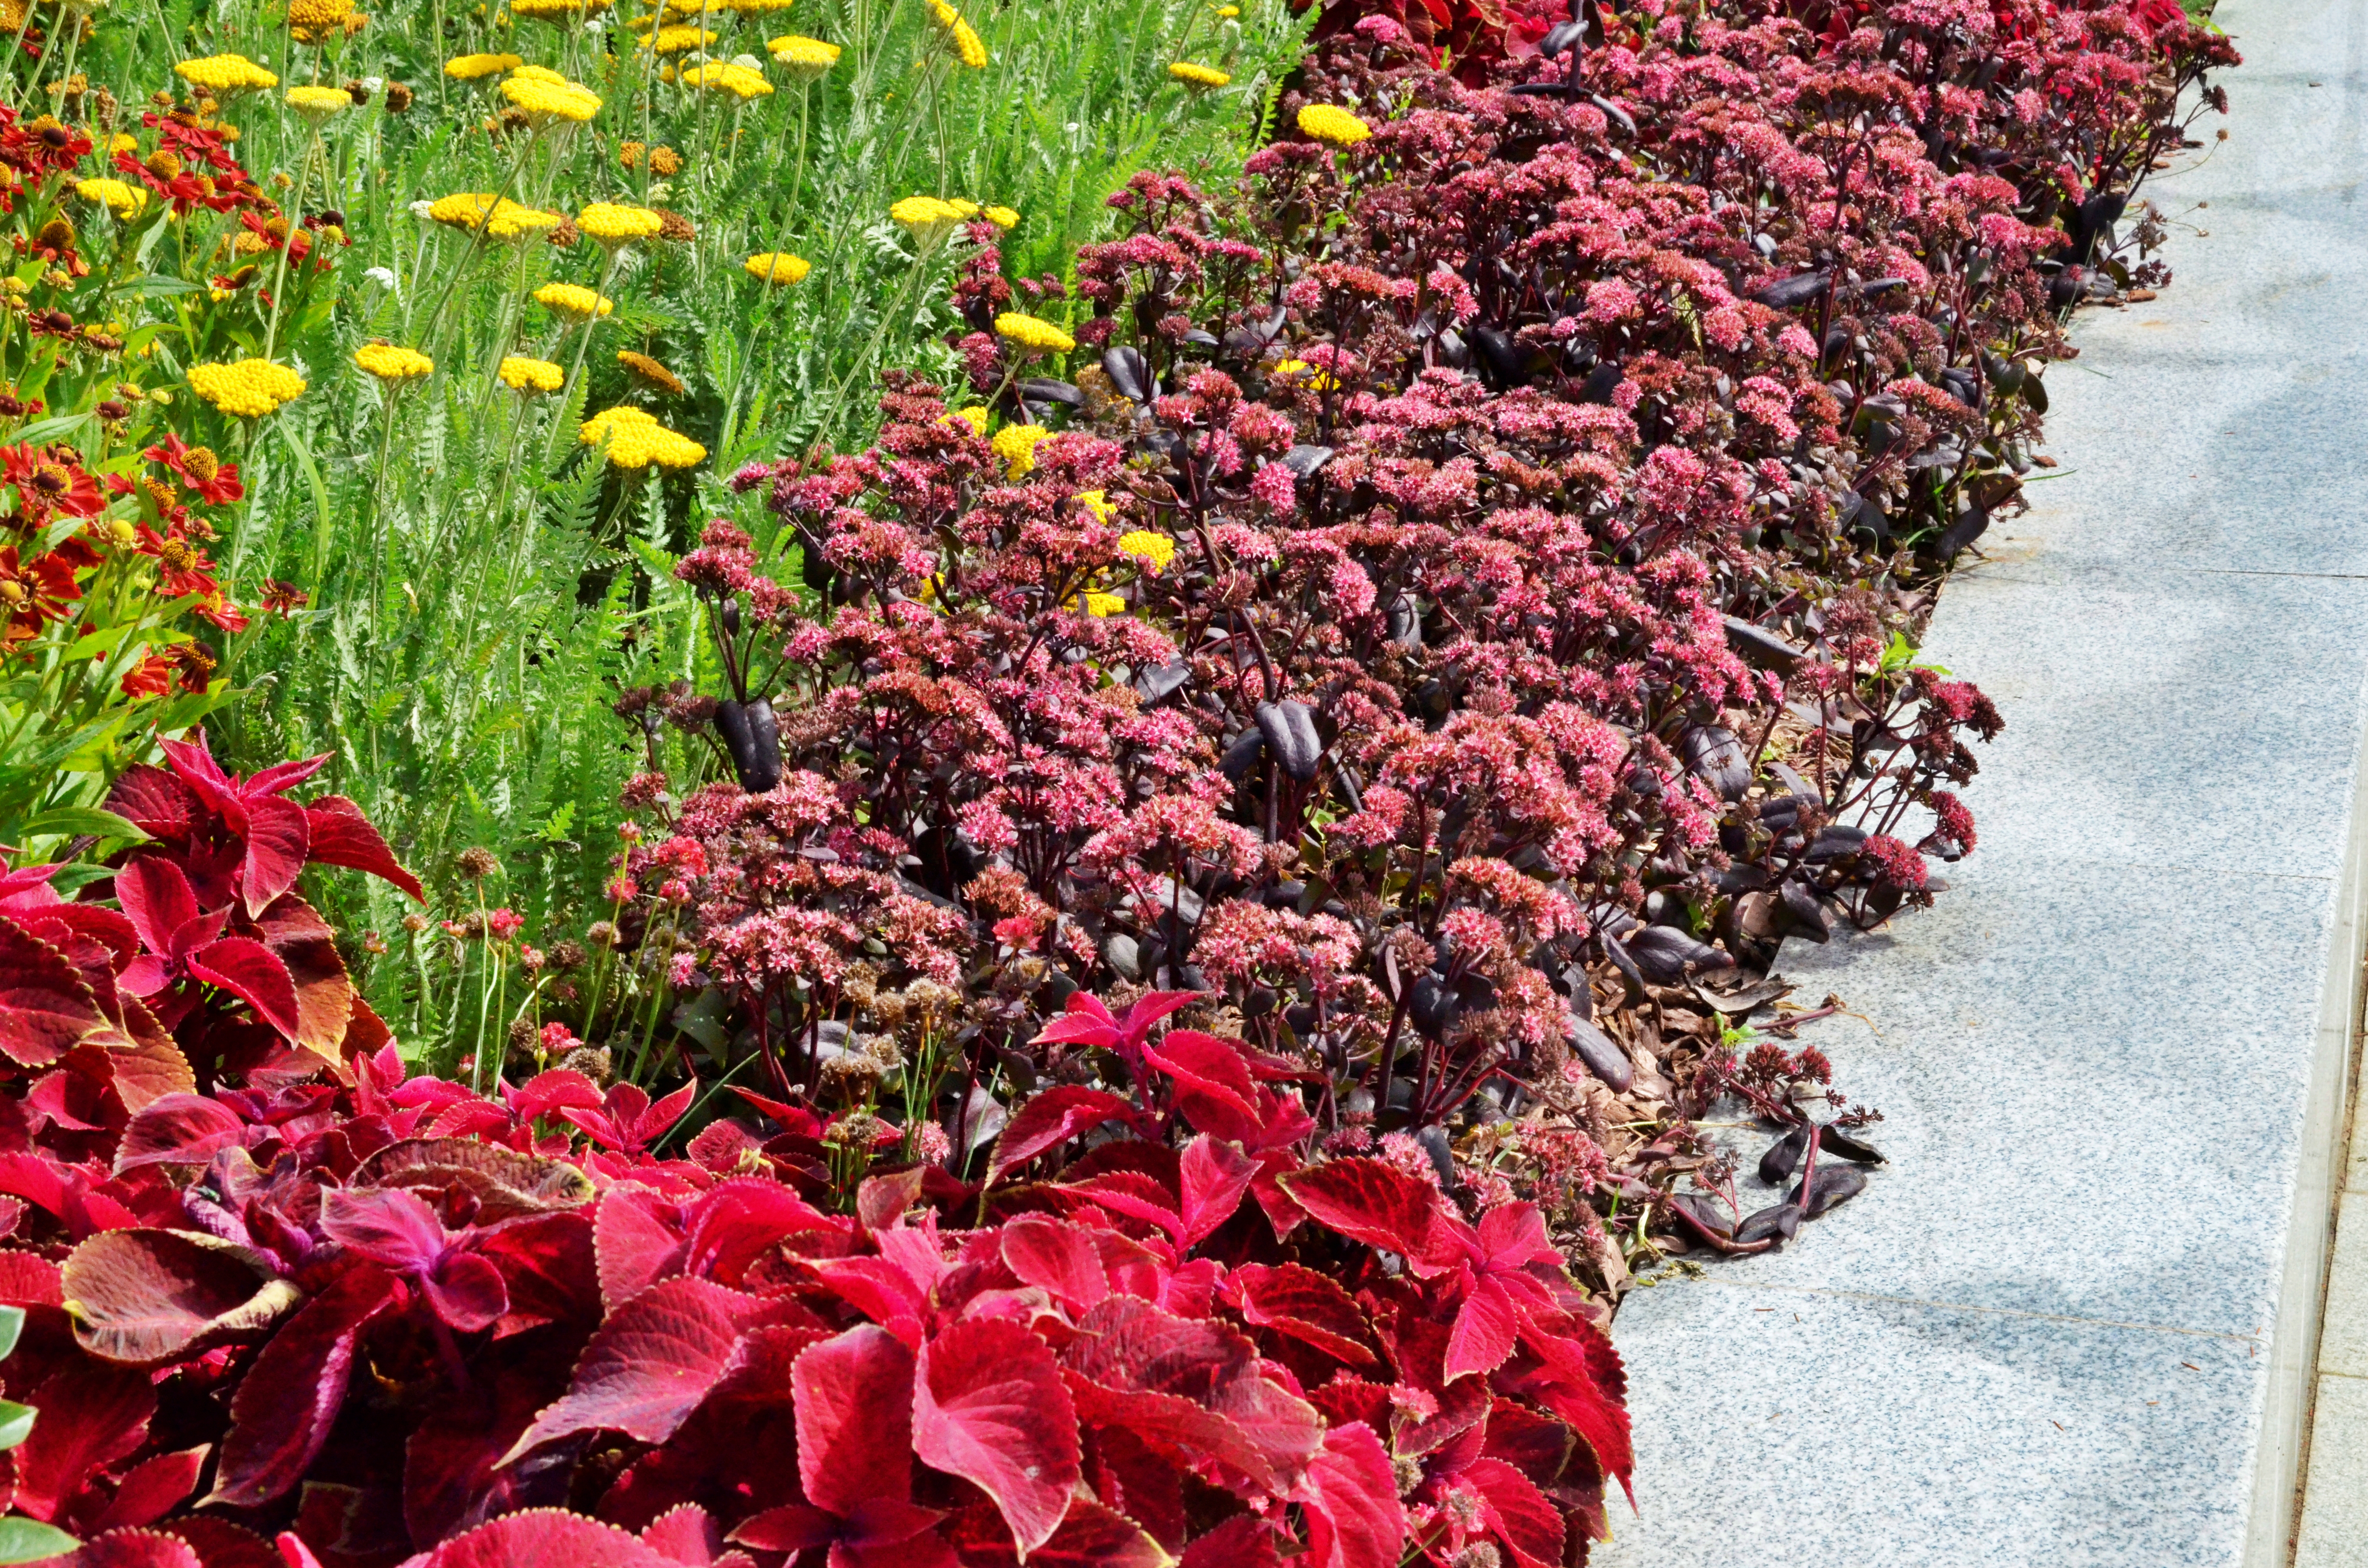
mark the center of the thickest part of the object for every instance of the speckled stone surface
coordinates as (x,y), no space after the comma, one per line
(2061,1325)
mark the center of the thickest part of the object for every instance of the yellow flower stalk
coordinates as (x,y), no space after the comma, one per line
(778,267)
(612,224)
(1016,444)
(1034,333)
(724,76)
(222,74)
(635,440)
(248,389)
(472,67)
(389,363)
(1328,122)
(574,301)
(805,58)
(531,377)
(959,36)
(126,201)
(1154,550)
(318,104)
(544,102)
(1199,77)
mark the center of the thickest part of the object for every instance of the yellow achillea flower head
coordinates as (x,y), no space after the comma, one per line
(974,416)
(1316,379)
(557,12)
(530,377)
(649,373)
(1001,217)
(778,267)
(1097,502)
(318,104)
(674,40)
(574,301)
(509,220)
(1155,551)
(249,389)
(1016,444)
(1034,333)
(753,8)
(537,73)
(222,74)
(546,101)
(470,67)
(389,363)
(1328,122)
(805,58)
(1194,75)
(1100,605)
(925,216)
(311,19)
(959,35)
(120,142)
(613,223)
(1227,13)
(724,76)
(635,440)
(126,201)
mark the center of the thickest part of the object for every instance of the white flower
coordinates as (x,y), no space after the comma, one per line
(422,209)
(373,84)
(382,276)
(747,62)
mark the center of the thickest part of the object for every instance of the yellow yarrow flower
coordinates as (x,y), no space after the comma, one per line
(1034,333)
(470,67)
(1099,605)
(544,101)
(1328,122)
(1316,379)
(558,12)
(1001,217)
(925,216)
(530,377)
(223,75)
(613,224)
(318,104)
(674,40)
(778,267)
(974,416)
(1194,75)
(389,363)
(120,142)
(805,58)
(1016,444)
(536,74)
(635,440)
(503,218)
(574,301)
(249,389)
(1097,502)
(1155,551)
(724,76)
(963,39)
(316,20)
(126,201)
(753,8)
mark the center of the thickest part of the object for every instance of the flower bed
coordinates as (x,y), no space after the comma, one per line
(1164,954)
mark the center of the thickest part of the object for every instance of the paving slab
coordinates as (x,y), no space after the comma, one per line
(2074,1319)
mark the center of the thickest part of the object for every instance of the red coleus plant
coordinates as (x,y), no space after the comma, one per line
(1135,1340)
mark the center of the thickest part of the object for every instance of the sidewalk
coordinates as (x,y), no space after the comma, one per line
(2072,1322)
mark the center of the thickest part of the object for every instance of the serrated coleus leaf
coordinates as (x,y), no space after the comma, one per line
(652,1361)
(289,1398)
(1572,1370)
(179,1128)
(1372,1202)
(147,1296)
(1309,1307)
(544,1537)
(1090,1535)
(989,1406)
(1499,1286)
(152,1488)
(46,1006)
(1520,1515)
(341,836)
(1350,1498)
(398,1231)
(1052,1118)
(127,1549)
(93,1415)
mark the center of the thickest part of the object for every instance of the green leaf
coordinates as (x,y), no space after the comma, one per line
(68,822)
(16,1423)
(29,1541)
(12,1323)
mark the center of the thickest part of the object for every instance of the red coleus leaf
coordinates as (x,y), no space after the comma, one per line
(148,1296)
(181,1128)
(543,1538)
(1368,1201)
(46,1006)
(1214,1175)
(341,836)
(1577,1376)
(652,1361)
(1059,1257)
(151,1488)
(291,1396)
(1212,1085)
(854,1395)
(130,1549)
(1519,1515)
(153,801)
(306,946)
(1350,1496)
(92,1414)
(157,900)
(253,973)
(1308,1306)
(1090,1535)
(220,1544)
(1052,1118)
(989,1405)
(65,1192)
(1243,1541)
(278,840)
